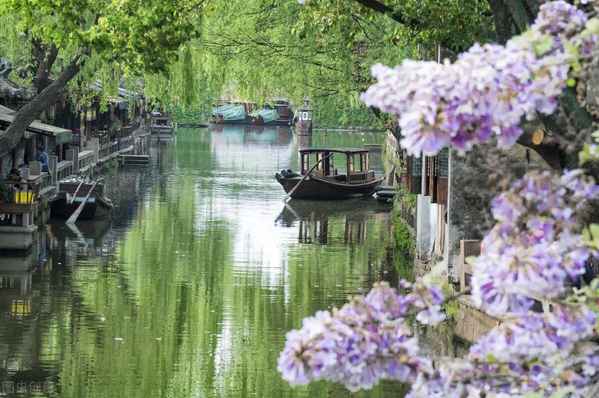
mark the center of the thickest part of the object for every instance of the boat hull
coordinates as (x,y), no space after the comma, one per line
(250,122)
(95,207)
(315,188)
(62,208)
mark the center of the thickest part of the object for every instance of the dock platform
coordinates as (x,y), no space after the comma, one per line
(134,159)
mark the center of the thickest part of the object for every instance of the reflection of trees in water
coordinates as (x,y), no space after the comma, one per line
(20,309)
(40,304)
(170,313)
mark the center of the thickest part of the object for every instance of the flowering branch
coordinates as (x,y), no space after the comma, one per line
(489,89)
(538,248)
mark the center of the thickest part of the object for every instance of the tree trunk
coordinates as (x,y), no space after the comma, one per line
(44,58)
(28,113)
(503,22)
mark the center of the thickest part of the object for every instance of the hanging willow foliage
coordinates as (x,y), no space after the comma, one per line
(189,92)
(255,51)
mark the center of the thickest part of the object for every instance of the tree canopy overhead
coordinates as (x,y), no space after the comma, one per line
(323,49)
(126,36)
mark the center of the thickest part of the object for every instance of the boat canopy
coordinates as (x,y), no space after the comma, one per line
(356,160)
(267,115)
(230,112)
(222,108)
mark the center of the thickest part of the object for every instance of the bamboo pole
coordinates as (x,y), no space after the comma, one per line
(305,177)
(76,192)
(76,213)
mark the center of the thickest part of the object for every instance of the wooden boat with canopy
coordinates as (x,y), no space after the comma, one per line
(73,192)
(320,178)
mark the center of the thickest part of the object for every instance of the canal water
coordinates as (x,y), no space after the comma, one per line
(190,289)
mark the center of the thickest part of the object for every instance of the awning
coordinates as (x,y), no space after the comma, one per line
(11,90)
(62,136)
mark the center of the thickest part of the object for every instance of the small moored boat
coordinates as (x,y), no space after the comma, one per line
(276,113)
(161,124)
(323,181)
(72,193)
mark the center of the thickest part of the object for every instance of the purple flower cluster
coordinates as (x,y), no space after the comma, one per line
(487,91)
(534,352)
(536,247)
(558,18)
(532,253)
(536,336)
(365,341)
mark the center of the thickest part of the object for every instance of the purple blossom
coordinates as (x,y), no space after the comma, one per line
(365,341)
(487,91)
(558,18)
(535,336)
(536,248)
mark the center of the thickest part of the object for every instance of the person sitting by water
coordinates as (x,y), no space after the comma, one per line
(13,179)
(42,157)
(14,176)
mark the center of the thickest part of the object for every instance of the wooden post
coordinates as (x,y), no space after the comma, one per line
(35,168)
(319,160)
(70,156)
(468,248)
(423,176)
(75,160)
(52,163)
(349,166)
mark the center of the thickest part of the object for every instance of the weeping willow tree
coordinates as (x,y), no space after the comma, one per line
(256,50)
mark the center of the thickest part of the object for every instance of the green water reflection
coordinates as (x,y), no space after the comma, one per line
(190,291)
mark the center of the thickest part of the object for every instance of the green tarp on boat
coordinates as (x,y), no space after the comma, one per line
(230,112)
(267,115)
(220,109)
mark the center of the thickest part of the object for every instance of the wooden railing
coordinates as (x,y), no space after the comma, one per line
(130,129)
(86,158)
(125,142)
(64,169)
(108,146)
(45,181)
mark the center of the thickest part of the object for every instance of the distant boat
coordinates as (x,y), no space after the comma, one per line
(277,114)
(322,181)
(264,116)
(231,113)
(161,123)
(72,193)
